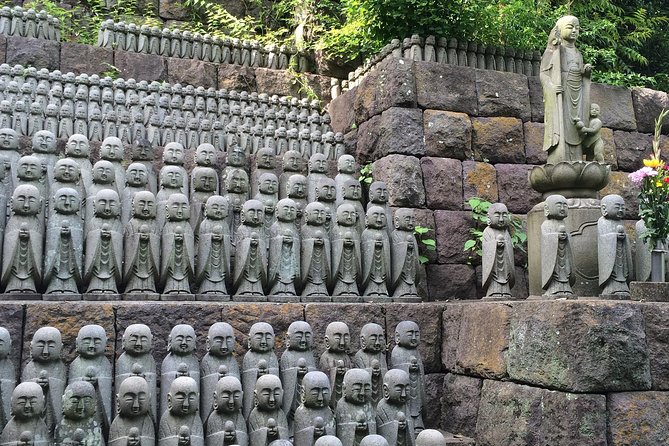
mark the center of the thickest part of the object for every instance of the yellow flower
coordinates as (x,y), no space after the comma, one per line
(653,162)
(658,184)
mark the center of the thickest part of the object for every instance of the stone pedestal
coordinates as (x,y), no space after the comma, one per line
(581,223)
(649,291)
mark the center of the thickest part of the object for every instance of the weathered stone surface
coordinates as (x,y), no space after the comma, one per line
(236,77)
(451,281)
(656,319)
(479,180)
(29,52)
(514,187)
(276,82)
(638,418)
(446,87)
(503,94)
(320,86)
(443,183)
(617,109)
(460,400)
(354,315)
(88,59)
(428,318)
(631,149)
(610,152)
(146,67)
(521,288)
(447,134)
(619,183)
(194,72)
(579,346)
(390,84)
(68,317)
(434,384)
(517,415)
(341,111)
(647,106)
(483,341)
(498,140)
(536,98)
(404,179)
(3,49)
(350,144)
(533,133)
(11,317)
(451,320)
(452,230)
(368,139)
(172,10)
(401,132)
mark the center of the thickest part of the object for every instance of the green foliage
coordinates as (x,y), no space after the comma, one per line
(421,232)
(366,175)
(111,71)
(303,87)
(474,245)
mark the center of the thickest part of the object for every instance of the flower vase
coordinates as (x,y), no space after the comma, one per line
(657,265)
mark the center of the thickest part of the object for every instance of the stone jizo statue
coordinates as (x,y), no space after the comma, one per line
(392,421)
(267,420)
(498,262)
(314,418)
(405,356)
(27,404)
(181,348)
(225,424)
(372,357)
(335,360)
(613,248)
(557,262)
(213,269)
(261,353)
(177,249)
(137,343)
(375,247)
(133,425)
(221,344)
(316,264)
(180,424)
(250,273)
(346,255)
(7,377)
(142,247)
(355,416)
(284,251)
(79,406)
(404,256)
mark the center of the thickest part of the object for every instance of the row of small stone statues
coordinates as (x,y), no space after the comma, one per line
(454,52)
(614,254)
(186,45)
(21,22)
(212,401)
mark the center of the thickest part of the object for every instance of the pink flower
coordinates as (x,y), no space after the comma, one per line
(638,176)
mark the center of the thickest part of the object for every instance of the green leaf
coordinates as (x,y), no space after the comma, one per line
(469,245)
(429,242)
(421,230)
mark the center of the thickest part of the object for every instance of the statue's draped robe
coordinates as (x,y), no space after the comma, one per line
(291,381)
(168,430)
(103,256)
(21,265)
(178,258)
(557,260)
(213,256)
(257,426)
(215,428)
(376,265)
(498,263)
(142,256)
(303,424)
(347,415)
(614,257)
(400,358)
(315,261)
(64,257)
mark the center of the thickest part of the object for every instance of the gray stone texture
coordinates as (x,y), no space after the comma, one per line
(446,87)
(619,183)
(498,140)
(647,106)
(401,133)
(638,418)
(447,134)
(11,317)
(276,82)
(320,85)
(452,230)
(503,94)
(341,111)
(451,281)
(88,59)
(460,400)
(38,53)
(236,77)
(656,319)
(443,182)
(403,177)
(632,148)
(617,109)
(434,384)
(514,190)
(368,139)
(533,133)
(194,72)
(3,49)
(147,67)
(172,10)
(390,84)
(536,98)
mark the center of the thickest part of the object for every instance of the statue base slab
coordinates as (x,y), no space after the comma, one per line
(650,291)
(622,296)
(101,297)
(315,298)
(377,299)
(500,298)
(249,298)
(177,296)
(347,299)
(61,297)
(213,297)
(21,296)
(141,296)
(281,299)
(407,299)
(581,224)
(555,297)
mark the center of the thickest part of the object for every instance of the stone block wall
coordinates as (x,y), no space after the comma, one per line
(440,134)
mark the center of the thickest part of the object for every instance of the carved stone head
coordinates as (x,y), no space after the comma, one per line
(268,393)
(316,390)
(103,172)
(9,140)
(405,219)
(137,339)
(5,343)
(183,397)
(337,337)
(498,216)
(613,207)
(173,153)
(221,339)
(46,345)
(26,200)
(407,334)
(216,208)
(27,401)
(44,142)
(79,401)
(346,215)
(395,386)
(357,386)
(376,217)
(315,213)
(66,201)
(286,210)
(556,207)
(205,155)
(91,341)
(137,175)
(261,337)
(378,192)
(346,164)
(181,340)
(372,338)
(228,395)
(299,336)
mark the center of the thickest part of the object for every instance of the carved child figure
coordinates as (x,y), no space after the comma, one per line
(404,255)
(214,250)
(284,251)
(177,249)
(137,342)
(316,267)
(375,247)
(261,349)
(267,420)
(335,360)
(498,263)
(296,361)
(613,248)
(557,261)
(593,145)
(142,246)
(220,347)
(250,273)
(79,406)
(346,256)
(133,425)
(392,421)
(27,403)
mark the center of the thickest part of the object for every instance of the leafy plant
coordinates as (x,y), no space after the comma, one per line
(366,176)
(303,87)
(111,71)
(474,245)
(428,243)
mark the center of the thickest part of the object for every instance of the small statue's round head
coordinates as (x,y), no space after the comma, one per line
(228,395)
(346,215)
(376,217)
(430,437)
(373,440)
(133,397)
(137,175)
(252,213)
(107,204)
(103,172)
(205,179)
(221,339)
(26,200)
(292,161)
(137,339)
(326,190)
(79,401)
(568,27)
(5,343)
(171,177)
(315,213)
(396,386)
(372,338)
(27,401)
(299,336)
(91,341)
(286,210)
(328,440)
(337,337)
(498,216)
(351,190)
(237,182)
(265,158)
(236,157)
(111,149)
(66,201)
(346,164)
(405,219)
(46,345)
(261,337)
(613,207)
(177,208)
(141,149)
(297,186)
(378,192)
(315,390)
(205,155)
(268,183)
(29,168)
(183,396)
(357,386)
(268,393)
(555,207)
(594,110)
(216,207)
(26,437)
(44,142)
(9,140)
(181,340)
(318,163)
(407,334)
(173,153)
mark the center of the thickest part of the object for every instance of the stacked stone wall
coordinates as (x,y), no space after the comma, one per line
(439,134)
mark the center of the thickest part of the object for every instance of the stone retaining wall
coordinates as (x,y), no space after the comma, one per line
(439,134)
